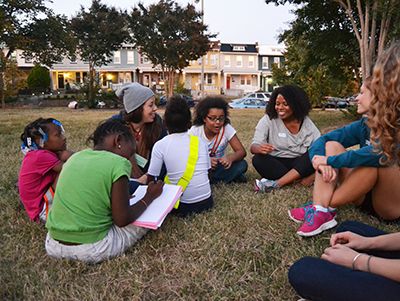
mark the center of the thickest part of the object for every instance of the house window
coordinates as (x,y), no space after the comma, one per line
(144,59)
(242,80)
(117,57)
(130,57)
(208,78)
(265,64)
(251,61)
(277,61)
(227,61)
(214,59)
(28,60)
(239,61)
(72,61)
(239,48)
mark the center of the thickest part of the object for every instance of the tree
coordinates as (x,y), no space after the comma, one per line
(39,79)
(22,26)
(170,36)
(98,32)
(320,67)
(371,23)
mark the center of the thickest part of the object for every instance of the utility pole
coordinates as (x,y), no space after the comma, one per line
(202,58)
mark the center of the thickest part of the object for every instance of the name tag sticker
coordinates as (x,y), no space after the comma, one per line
(282,135)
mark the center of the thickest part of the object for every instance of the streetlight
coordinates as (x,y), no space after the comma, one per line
(202,58)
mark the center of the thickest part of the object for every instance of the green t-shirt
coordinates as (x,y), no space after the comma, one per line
(81,211)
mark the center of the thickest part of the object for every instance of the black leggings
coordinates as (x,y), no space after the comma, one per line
(320,280)
(273,168)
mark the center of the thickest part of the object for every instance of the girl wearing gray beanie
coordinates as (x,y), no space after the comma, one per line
(146,125)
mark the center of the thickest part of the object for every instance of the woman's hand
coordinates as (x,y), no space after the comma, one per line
(318,160)
(214,163)
(328,173)
(340,254)
(225,162)
(265,148)
(351,240)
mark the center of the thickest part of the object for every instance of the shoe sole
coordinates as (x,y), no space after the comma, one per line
(326,226)
(294,219)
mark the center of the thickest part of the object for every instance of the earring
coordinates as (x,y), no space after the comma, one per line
(119,146)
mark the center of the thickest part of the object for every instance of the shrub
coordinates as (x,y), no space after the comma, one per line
(39,79)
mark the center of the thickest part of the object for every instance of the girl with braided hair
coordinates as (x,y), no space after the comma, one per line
(44,147)
(91,218)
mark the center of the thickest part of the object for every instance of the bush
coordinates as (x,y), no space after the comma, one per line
(39,79)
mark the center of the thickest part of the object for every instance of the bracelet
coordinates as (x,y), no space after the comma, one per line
(353,265)
(144,203)
(368,267)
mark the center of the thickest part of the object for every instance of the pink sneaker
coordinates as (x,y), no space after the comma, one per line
(316,222)
(297,214)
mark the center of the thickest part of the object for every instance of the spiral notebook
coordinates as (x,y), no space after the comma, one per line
(156,212)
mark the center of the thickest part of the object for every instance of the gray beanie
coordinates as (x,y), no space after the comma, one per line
(133,95)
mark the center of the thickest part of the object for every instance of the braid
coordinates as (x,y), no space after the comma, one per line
(37,129)
(110,127)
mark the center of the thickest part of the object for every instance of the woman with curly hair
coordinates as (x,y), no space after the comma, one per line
(212,124)
(282,139)
(362,262)
(367,176)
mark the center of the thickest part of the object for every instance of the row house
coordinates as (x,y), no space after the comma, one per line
(121,70)
(267,56)
(229,68)
(191,75)
(239,68)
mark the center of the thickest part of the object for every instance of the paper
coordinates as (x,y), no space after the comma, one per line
(156,212)
(140,160)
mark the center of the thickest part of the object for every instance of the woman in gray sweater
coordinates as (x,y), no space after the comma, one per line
(282,138)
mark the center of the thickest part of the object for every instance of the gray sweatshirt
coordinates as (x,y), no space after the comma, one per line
(287,145)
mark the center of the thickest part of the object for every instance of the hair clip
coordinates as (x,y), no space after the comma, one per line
(59,124)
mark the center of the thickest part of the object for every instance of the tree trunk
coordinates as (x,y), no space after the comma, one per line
(2,79)
(91,101)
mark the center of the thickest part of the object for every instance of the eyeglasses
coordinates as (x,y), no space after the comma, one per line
(215,119)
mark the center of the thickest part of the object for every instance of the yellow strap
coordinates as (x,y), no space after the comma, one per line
(190,165)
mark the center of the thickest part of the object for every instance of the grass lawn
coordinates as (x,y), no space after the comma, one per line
(241,250)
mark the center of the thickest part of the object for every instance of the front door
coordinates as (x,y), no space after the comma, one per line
(60,80)
(228,82)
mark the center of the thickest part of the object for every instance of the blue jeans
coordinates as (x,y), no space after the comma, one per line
(317,279)
(234,174)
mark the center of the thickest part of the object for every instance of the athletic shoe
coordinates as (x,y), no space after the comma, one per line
(297,214)
(265,185)
(316,222)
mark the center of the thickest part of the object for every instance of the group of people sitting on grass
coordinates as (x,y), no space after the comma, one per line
(84,197)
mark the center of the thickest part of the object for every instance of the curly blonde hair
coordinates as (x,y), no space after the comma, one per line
(384,119)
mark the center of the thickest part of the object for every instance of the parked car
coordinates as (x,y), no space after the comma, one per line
(248,103)
(335,102)
(258,95)
(189,100)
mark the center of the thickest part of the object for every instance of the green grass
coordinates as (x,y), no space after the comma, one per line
(241,250)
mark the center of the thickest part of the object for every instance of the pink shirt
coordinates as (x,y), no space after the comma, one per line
(35,178)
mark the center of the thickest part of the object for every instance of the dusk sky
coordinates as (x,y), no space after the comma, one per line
(240,21)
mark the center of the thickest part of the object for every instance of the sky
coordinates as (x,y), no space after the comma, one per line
(235,21)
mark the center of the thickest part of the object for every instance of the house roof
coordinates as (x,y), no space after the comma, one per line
(240,48)
(275,50)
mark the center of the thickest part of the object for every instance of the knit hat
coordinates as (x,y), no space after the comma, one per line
(133,95)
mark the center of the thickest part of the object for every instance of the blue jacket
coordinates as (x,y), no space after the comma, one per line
(355,133)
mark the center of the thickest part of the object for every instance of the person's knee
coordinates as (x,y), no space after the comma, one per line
(348,226)
(333,148)
(298,272)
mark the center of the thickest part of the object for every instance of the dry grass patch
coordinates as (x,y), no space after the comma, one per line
(241,250)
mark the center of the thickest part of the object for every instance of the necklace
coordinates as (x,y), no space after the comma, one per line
(136,133)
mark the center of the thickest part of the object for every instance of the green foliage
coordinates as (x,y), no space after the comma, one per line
(320,67)
(98,32)
(39,79)
(169,35)
(32,27)
(180,89)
